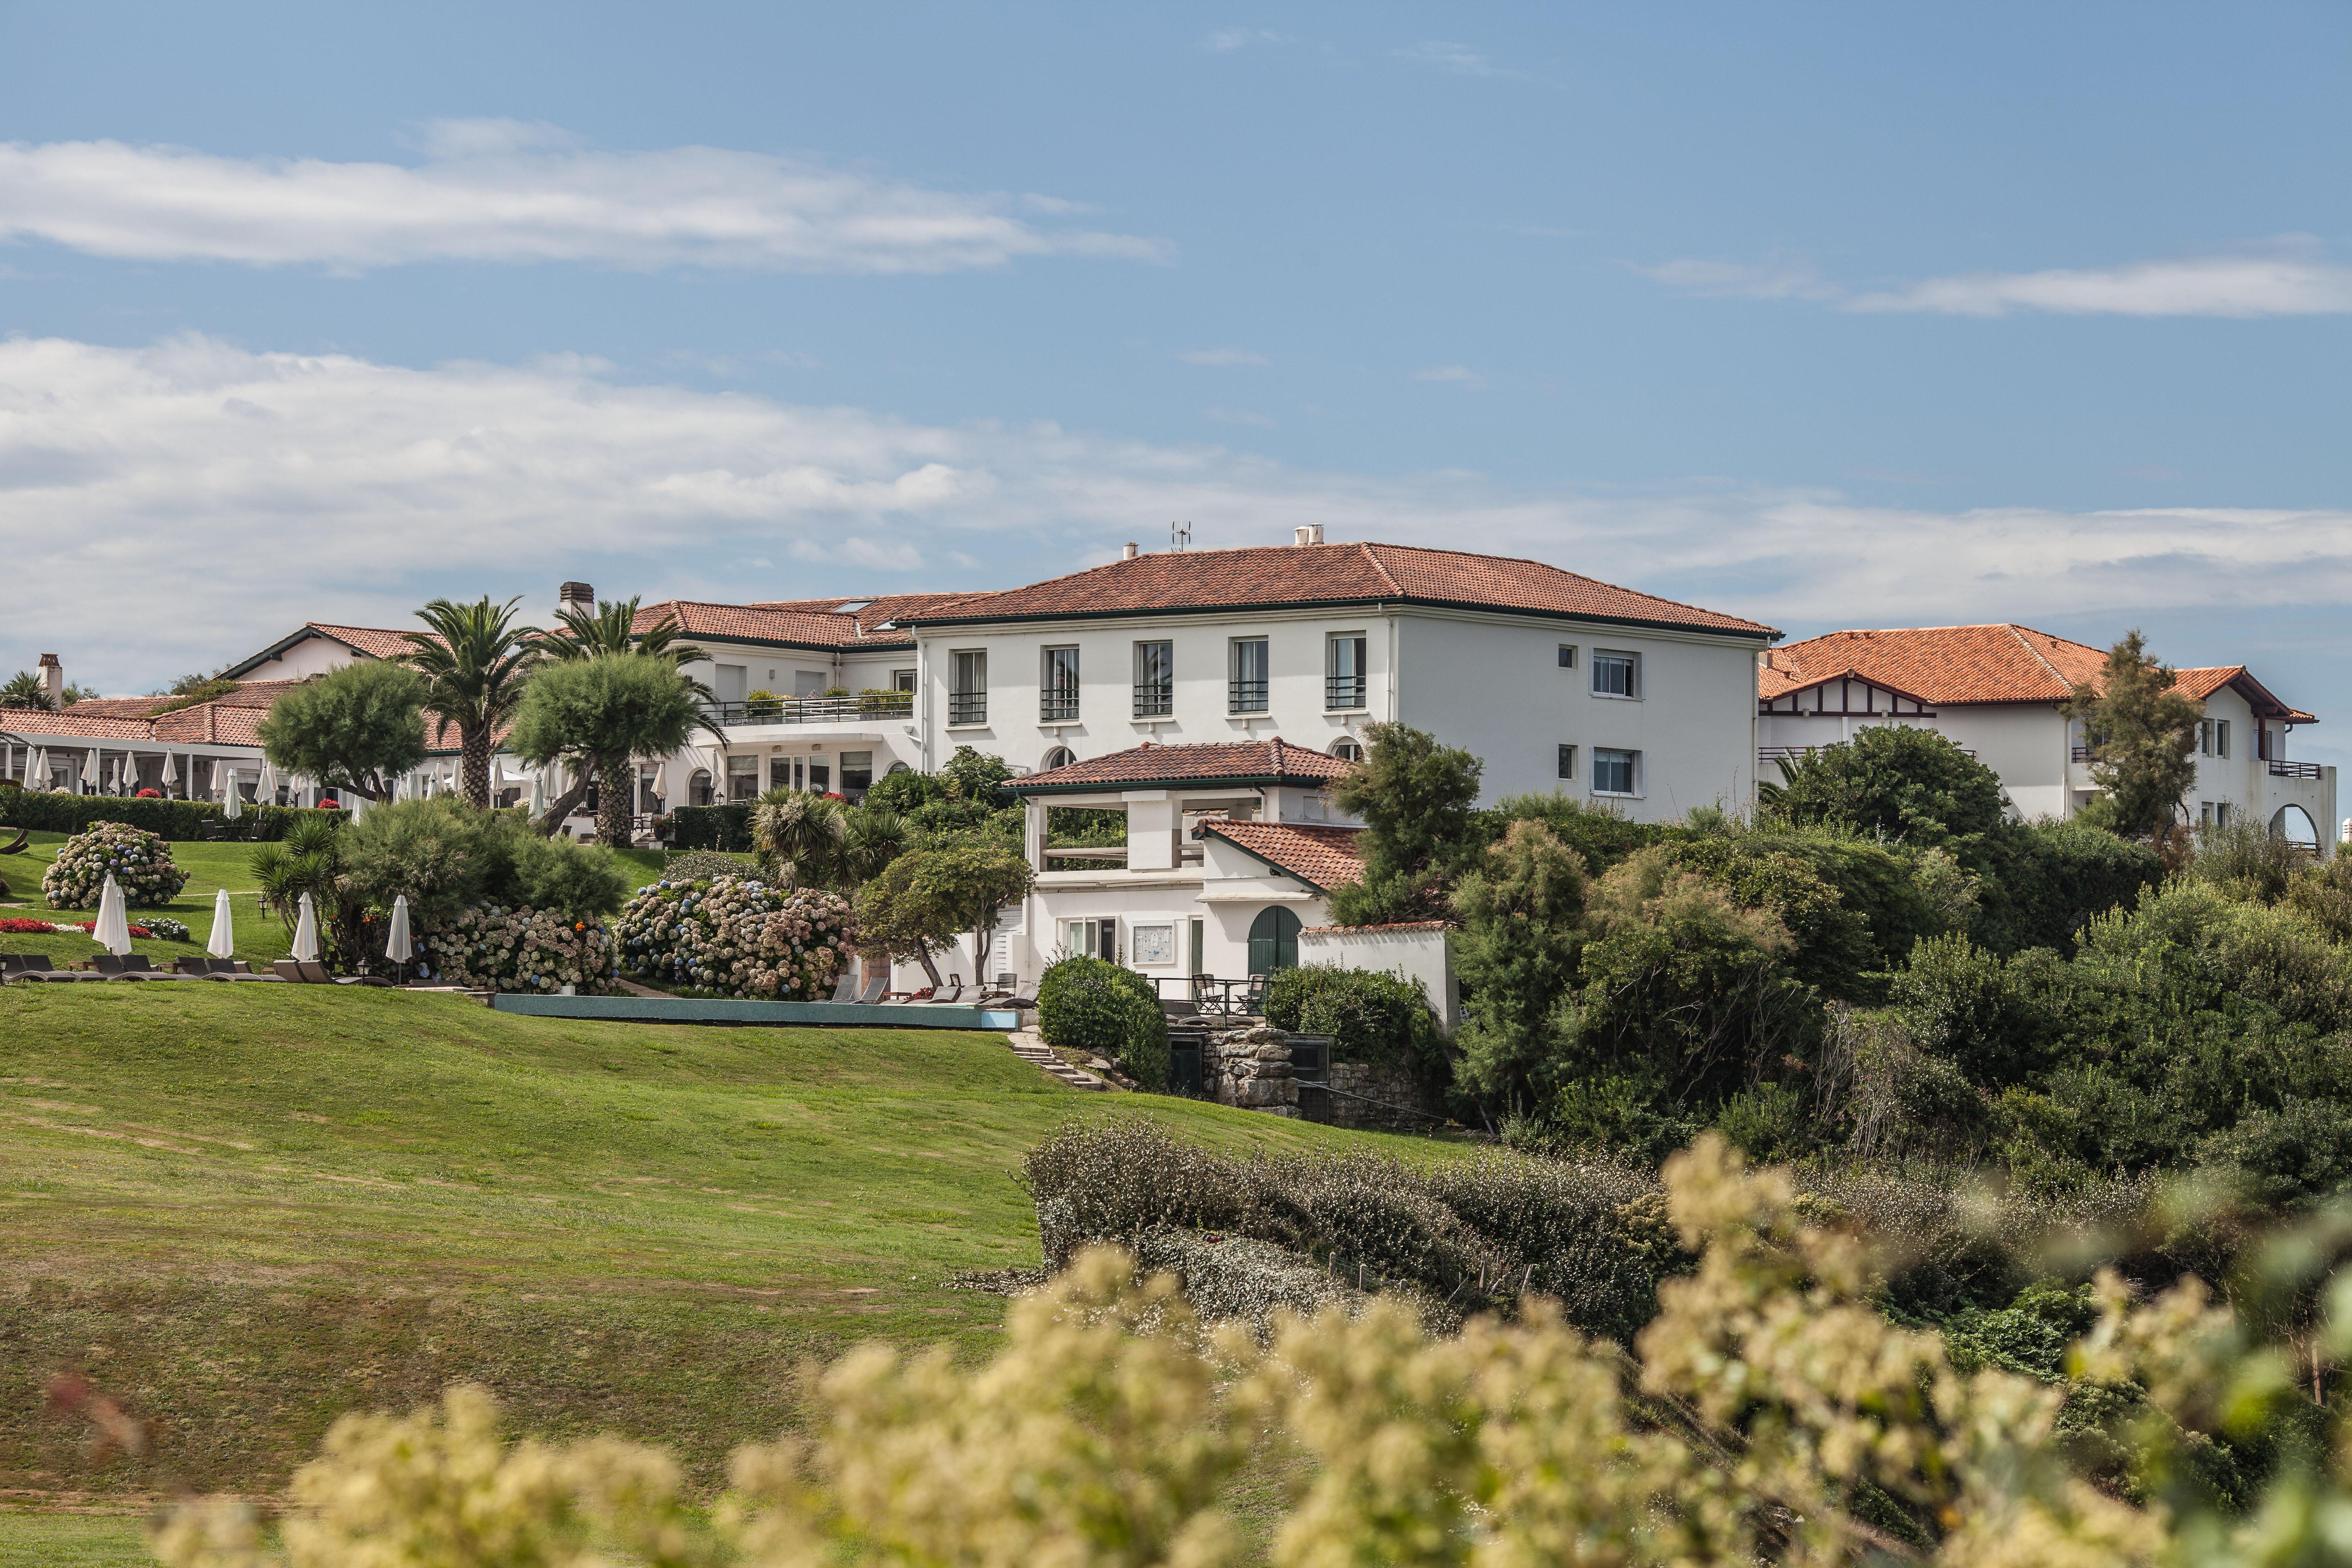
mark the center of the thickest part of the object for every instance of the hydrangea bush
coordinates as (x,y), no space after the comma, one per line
(140,861)
(736,936)
(493,948)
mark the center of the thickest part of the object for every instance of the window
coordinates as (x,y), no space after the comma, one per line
(1057,686)
(1250,665)
(1615,772)
(902,680)
(1348,749)
(2222,809)
(697,788)
(856,772)
(1059,757)
(2205,746)
(2220,737)
(820,776)
(968,687)
(808,683)
(779,773)
(1091,939)
(1155,680)
(743,780)
(897,768)
(1272,940)
(1568,762)
(1343,672)
(1567,656)
(2204,814)
(731,682)
(1616,674)
(1154,945)
(1200,943)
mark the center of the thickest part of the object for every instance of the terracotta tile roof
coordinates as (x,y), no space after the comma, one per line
(818,623)
(1322,858)
(118,707)
(41,721)
(372,642)
(1997,663)
(1393,925)
(233,719)
(1274,760)
(1285,575)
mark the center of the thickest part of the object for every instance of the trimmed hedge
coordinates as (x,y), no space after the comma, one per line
(724,827)
(180,821)
(1086,1004)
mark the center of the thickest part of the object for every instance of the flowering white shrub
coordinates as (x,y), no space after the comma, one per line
(140,861)
(735,936)
(498,949)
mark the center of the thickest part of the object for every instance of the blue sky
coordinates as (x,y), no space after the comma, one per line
(1829,315)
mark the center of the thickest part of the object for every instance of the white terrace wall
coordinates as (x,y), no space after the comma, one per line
(1410,953)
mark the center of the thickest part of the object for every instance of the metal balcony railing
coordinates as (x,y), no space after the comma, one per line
(1775,754)
(1245,697)
(967,706)
(2281,768)
(1057,706)
(813,709)
(1343,692)
(1154,701)
(2078,754)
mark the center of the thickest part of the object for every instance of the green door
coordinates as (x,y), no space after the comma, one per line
(1273,940)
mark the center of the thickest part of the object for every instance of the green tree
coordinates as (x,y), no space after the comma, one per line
(804,837)
(1520,910)
(358,728)
(310,859)
(978,777)
(475,661)
(926,898)
(608,632)
(1415,797)
(24,688)
(1891,780)
(2143,736)
(581,712)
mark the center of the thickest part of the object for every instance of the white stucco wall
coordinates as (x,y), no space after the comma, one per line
(311,655)
(1410,955)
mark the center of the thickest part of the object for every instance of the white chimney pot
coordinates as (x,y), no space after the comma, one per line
(1128,552)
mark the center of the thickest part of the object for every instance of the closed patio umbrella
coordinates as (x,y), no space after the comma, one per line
(170,774)
(38,771)
(267,794)
(222,941)
(539,793)
(232,797)
(90,780)
(396,945)
(306,933)
(113,933)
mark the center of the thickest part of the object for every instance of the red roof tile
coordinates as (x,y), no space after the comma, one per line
(1274,760)
(1322,858)
(1285,575)
(800,623)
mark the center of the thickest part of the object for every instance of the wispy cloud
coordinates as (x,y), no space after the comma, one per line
(501,190)
(2290,277)
(1452,376)
(1226,41)
(346,489)
(1459,58)
(1221,356)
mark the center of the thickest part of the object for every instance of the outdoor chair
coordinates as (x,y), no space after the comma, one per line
(314,973)
(876,989)
(35,966)
(846,988)
(953,992)
(111,967)
(289,970)
(139,966)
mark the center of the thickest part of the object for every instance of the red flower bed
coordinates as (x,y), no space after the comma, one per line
(149,794)
(25,928)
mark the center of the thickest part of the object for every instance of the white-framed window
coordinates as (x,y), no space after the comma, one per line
(1616,674)
(902,680)
(1155,680)
(1091,939)
(1344,682)
(1252,667)
(1056,757)
(2204,814)
(1616,772)
(2221,813)
(731,682)
(1057,686)
(1567,656)
(968,686)
(742,779)
(1567,761)
(1152,945)
(1348,749)
(2220,737)
(2205,744)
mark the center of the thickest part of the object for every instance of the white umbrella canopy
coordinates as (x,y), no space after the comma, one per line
(268,790)
(222,941)
(498,774)
(397,944)
(538,794)
(171,772)
(89,771)
(39,770)
(113,933)
(306,933)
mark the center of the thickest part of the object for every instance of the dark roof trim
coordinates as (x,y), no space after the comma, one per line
(1767,635)
(282,644)
(1218,781)
(1211,828)
(802,646)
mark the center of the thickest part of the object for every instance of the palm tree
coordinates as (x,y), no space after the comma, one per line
(608,632)
(475,661)
(24,689)
(803,835)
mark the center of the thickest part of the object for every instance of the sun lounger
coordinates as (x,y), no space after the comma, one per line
(876,989)
(294,972)
(846,988)
(948,994)
(35,966)
(132,966)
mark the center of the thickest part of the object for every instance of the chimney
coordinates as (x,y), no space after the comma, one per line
(53,680)
(1768,658)
(577,596)
(1128,552)
(1308,533)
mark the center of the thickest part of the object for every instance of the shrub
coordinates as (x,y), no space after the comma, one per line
(711,827)
(494,947)
(2243,859)
(48,812)
(2044,882)
(443,855)
(140,863)
(708,865)
(1891,780)
(1088,1003)
(2321,895)
(1371,1016)
(736,936)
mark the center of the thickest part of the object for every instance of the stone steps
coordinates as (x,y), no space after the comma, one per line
(1031,1047)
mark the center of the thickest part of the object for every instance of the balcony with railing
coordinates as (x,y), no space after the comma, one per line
(813,709)
(1055,705)
(1155,700)
(1343,692)
(1245,696)
(967,706)
(2280,768)
(1791,754)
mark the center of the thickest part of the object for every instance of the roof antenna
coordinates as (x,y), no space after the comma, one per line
(1180,534)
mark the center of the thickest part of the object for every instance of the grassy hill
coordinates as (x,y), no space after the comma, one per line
(244,1210)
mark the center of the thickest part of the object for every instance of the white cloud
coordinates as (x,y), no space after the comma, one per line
(1221,356)
(188,502)
(2288,279)
(499,191)
(1452,376)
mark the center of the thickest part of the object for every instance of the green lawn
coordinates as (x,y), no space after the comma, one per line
(262,936)
(72,1541)
(244,1210)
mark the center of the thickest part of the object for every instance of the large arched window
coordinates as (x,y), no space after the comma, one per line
(1059,757)
(1273,940)
(1348,749)
(697,788)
